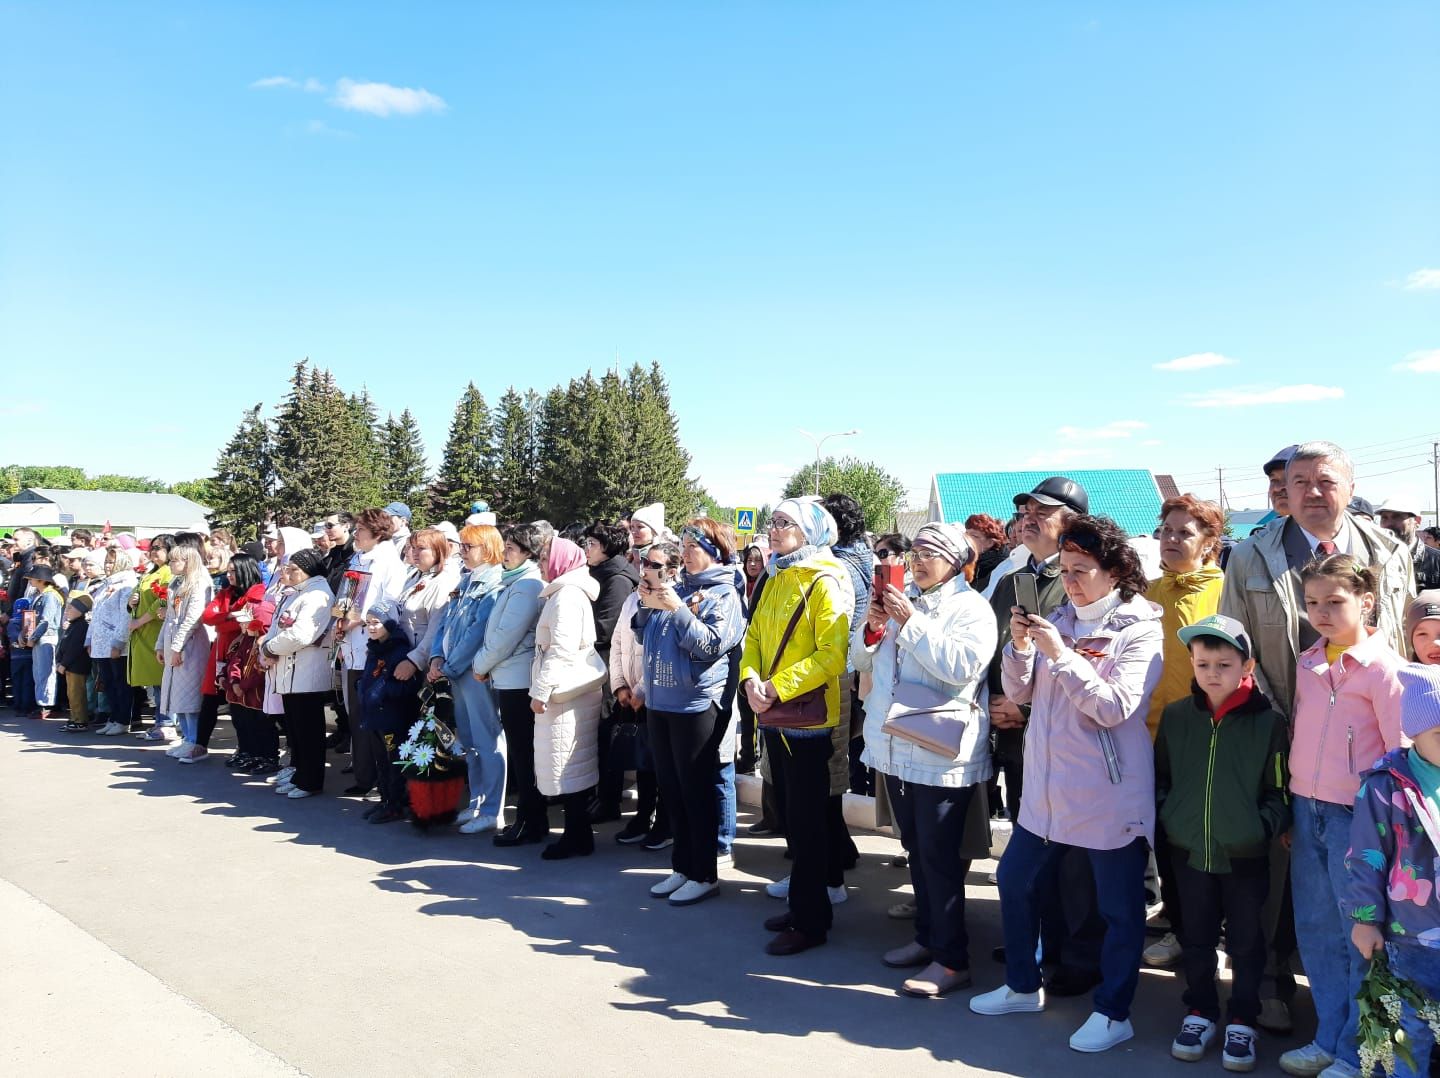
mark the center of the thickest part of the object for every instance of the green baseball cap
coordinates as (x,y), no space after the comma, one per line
(1222,628)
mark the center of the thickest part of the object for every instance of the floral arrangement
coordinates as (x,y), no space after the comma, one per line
(426,751)
(160,590)
(1382,998)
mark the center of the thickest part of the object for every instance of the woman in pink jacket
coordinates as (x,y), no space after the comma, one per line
(1347,716)
(1087,675)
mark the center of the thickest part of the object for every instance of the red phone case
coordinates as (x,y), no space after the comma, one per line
(889,574)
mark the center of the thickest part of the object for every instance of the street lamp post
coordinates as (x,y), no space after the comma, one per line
(819,441)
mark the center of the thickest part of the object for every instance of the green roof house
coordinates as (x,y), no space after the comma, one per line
(1129,495)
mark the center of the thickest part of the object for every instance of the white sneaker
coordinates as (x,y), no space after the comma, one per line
(1340,1069)
(1003,1001)
(694,891)
(779,889)
(476,824)
(669,885)
(1196,1033)
(296,793)
(281,777)
(1100,1034)
(1165,951)
(195,755)
(1306,1062)
(180,748)
(837,895)
(110,729)
(284,788)
(1239,1053)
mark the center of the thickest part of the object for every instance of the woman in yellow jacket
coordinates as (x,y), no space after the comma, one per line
(802,571)
(1187,591)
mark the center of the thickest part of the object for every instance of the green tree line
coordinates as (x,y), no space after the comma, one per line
(592,449)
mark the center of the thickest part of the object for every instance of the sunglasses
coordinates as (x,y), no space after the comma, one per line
(658,566)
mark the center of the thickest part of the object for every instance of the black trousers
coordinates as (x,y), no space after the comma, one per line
(305,733)
(389,779)
(519,723)
(362,755)
(931,820)
(684,747)
(209,717)
(1169,891)
(1009,754)
(255,734)
(127,702)
(1236,898)
(800,767)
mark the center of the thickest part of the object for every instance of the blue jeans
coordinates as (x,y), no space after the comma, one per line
(22,680)
(1421,966)
(1028,864)
(477,724)
(1317,868)
(42,656)
(725,801)
(189,725)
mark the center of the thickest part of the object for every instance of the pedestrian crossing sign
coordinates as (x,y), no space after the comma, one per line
(745,520)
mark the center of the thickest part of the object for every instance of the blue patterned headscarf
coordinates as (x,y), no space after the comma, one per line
(814,519)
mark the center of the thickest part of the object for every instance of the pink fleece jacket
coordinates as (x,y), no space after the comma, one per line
(1347,716)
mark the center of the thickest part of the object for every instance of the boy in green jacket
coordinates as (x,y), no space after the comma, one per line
(1220,781)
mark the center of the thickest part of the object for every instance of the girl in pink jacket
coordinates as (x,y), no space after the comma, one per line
(1347,715)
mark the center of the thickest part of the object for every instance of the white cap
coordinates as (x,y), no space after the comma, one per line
(447,529)
(1401,502)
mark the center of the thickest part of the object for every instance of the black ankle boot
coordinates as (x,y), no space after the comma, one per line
(570,844)
(521,834)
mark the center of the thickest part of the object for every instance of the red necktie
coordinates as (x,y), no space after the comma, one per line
(1325,549)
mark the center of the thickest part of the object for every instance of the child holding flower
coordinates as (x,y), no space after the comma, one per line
(388,705)
(1394,857)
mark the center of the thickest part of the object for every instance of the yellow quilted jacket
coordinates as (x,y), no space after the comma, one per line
(1183,599)
(816,652)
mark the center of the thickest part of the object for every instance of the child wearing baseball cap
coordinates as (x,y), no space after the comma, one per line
(1394,859)
(1220,780)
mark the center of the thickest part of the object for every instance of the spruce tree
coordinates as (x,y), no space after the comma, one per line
(553,459)
(515,475)
(404,464)
(660,464)
(362,480)
(244,481)
(467,470)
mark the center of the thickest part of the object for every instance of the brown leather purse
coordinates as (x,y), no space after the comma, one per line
(808,710)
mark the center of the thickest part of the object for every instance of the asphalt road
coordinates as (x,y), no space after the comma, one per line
(167,920)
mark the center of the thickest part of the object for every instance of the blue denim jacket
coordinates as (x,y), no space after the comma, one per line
(687,651)
(462,624)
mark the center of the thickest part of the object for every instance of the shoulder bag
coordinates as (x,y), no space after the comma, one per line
(808,710)
(924,716)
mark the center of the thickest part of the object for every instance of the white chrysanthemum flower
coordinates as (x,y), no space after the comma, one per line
(417,729)
(430,723)
(407,750)
(424,756)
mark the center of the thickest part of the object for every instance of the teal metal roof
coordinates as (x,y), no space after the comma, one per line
(1128,495)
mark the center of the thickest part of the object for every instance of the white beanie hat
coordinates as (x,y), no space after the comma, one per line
(652,516)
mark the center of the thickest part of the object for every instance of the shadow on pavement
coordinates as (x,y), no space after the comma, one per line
(703,964)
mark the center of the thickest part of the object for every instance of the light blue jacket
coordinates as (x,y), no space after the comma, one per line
(49,609)
(509,643)
(462,625)
(687,651)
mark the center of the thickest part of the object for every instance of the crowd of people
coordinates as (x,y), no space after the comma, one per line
(1254,724)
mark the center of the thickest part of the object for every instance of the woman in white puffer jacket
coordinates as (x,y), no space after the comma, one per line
(565,695)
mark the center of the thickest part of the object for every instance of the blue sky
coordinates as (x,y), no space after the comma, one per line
(971,230)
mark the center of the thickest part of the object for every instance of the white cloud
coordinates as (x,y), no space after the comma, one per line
(1423,280)
(1199,361)
(1250,396)
(1423,362)
(285,82)
(382,99)
(1121,428)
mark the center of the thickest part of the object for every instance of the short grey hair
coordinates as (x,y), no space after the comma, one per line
(1323,451)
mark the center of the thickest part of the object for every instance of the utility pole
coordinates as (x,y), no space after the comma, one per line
(1221,473)
(1435,463)
(818,443)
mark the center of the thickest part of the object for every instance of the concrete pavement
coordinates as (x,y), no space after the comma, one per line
(185,918)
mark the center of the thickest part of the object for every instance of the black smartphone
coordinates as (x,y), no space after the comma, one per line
(1027,593)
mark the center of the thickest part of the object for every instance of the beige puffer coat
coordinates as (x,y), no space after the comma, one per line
(566,675)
